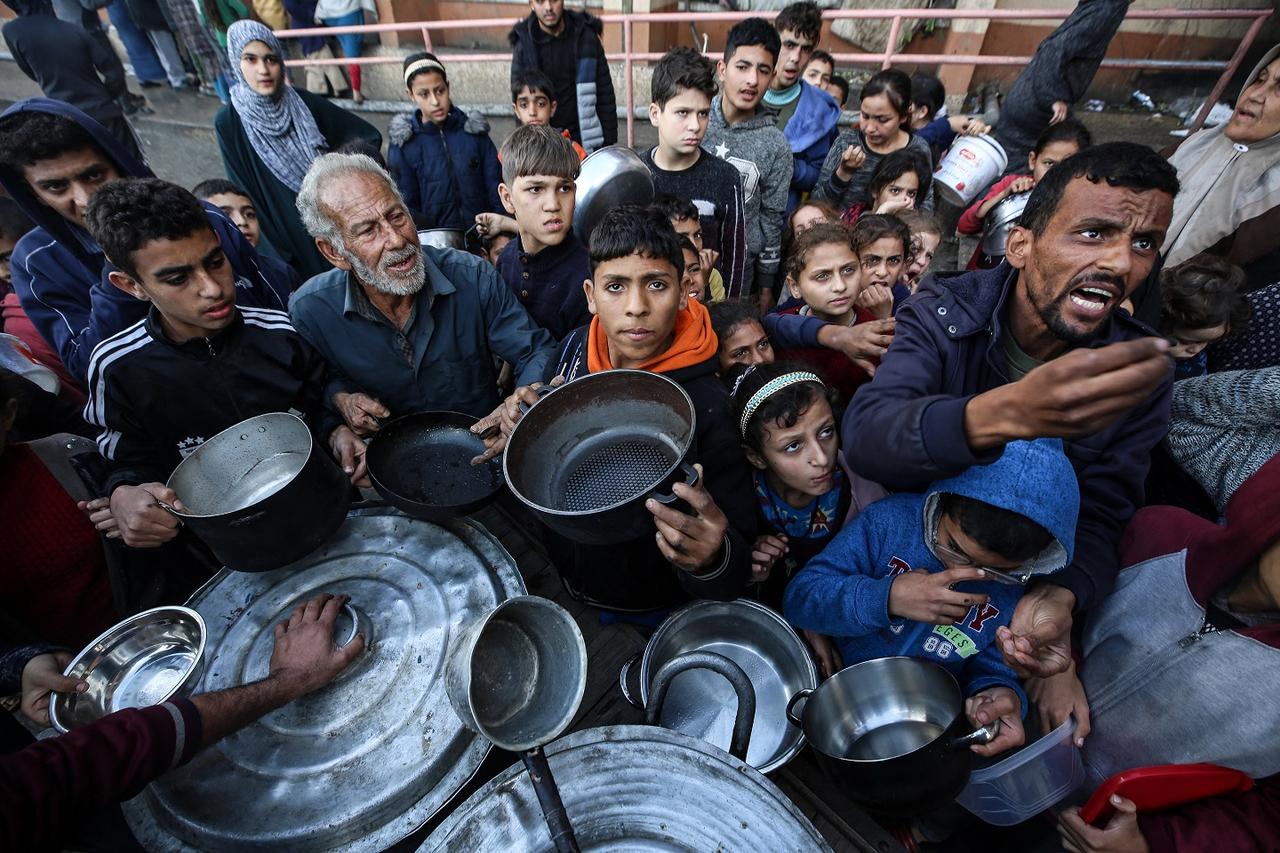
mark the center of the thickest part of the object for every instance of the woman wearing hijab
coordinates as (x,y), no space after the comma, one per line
(1229,204)
(270,133)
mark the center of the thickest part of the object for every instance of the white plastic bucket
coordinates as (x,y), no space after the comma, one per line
(971,165)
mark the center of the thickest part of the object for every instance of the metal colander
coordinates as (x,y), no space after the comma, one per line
(613,473)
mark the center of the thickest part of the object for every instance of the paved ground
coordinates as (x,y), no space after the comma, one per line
(179,141)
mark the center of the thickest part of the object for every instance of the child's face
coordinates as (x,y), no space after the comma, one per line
(6,256)
(692,280)
(682,123)
(746,344)
(801,457)
(1053,154)
(746,76)
(923,245)
(691,228)
(901,192)
(496,244)
(793,56)
(805,217)
(879,120)
(190,281)
(261,68)
(66,183)
(955,549)
(533,107)
(240,210)
(882,261)
(829,282)
(1189,343)
(637,299)
(818,73)
(543,208)
(431,93)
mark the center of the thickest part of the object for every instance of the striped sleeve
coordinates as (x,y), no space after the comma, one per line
(122,440)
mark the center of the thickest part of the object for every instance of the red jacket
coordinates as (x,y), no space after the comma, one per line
(47,788)
(835,368)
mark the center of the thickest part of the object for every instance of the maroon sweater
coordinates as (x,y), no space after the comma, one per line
(51,785)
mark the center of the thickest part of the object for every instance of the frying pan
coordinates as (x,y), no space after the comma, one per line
(421,463)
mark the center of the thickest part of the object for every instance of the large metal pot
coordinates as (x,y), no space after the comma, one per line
(363,762)
(588,455)
(893,730)
(1000,221)
(702,704)
(261,494)
(634,788)
(611,176)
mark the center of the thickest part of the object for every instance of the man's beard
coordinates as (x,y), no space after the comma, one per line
(383,282)
(1051,314)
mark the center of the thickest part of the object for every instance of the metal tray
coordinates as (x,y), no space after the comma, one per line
(366,760)
(633,788)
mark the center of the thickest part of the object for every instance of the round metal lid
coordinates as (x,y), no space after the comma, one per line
(633,788)
(366,760)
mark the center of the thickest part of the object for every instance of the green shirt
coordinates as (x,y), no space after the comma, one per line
(1018,363)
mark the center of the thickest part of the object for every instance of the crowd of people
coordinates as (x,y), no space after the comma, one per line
(1049,470)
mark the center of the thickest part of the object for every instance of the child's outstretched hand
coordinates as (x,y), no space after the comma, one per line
(766,551)
(1024,184)
(877,299)
(996,703)
(928,597)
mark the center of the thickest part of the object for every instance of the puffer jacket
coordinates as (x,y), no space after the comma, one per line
(446,173)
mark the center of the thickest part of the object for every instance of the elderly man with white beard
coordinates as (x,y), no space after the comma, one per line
(403,327)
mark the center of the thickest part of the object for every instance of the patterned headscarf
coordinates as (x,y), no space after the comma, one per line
(280,128)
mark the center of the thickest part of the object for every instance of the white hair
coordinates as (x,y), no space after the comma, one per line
(316,217)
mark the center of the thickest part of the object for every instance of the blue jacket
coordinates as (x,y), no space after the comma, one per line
(844,591)
(447,175)
(810,132)
(60,273)
(905,428)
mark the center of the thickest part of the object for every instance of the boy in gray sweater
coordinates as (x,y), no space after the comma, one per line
(753,144)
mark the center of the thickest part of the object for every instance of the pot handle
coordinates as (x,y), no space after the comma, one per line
(792,716)
(624,677)
(541,391)
(977,737)
(690,479)
(171,510)
(721,665)
(360,624)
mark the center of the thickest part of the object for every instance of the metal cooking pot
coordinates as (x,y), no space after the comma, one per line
(893,731)
(261,494)
(443,238)
(701,703)
(588,454)
(1000,221)
(611,176)
(634,788)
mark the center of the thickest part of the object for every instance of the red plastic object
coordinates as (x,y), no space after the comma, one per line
(1163,786)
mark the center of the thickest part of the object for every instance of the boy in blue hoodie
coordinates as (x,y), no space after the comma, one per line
(887,584)
(806,115)
(53,158)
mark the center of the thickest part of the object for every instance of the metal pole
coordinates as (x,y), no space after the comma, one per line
(1228,72)
(631,84)
(891,47)
(426,39)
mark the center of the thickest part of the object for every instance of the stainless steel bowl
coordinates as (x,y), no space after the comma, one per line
(1000,221)
(612,176)
(442,238)
(144,660)
(701,703)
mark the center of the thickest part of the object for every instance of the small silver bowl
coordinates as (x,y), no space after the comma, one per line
(147,659)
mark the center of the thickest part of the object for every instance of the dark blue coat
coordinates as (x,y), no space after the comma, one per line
(905,428)
(446,174)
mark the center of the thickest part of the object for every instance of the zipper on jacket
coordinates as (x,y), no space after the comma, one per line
(1191,639)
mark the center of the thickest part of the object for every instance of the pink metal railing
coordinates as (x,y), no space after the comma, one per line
(884,58)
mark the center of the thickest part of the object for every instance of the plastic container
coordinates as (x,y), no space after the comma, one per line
(1034,778)
(972,165)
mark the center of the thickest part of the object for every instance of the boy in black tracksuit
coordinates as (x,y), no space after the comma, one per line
(565,45)
(196,365)
(705,553)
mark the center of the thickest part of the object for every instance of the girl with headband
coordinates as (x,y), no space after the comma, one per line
(804,492)
(442,158)
(271,132)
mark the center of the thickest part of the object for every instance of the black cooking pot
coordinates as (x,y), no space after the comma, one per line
(261,494)
(588,455)
(421,463)
(893,732)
